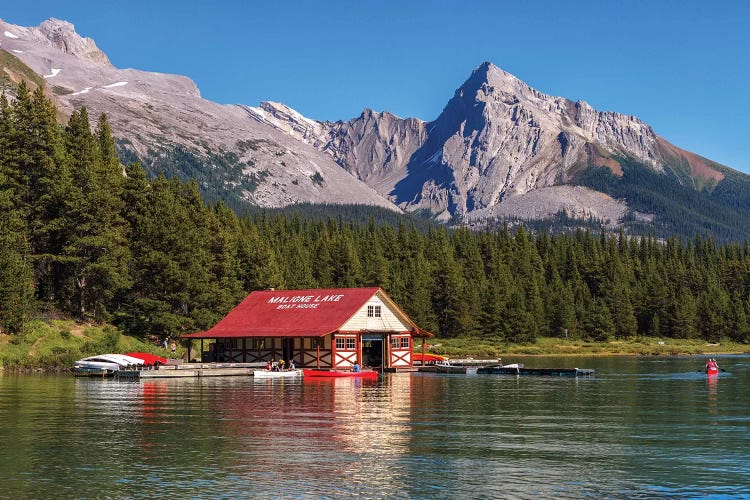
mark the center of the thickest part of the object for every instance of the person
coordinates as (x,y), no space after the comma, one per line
(281,365)
(174,347)
(164,344)
(291,365)
(712,365)
(356,367)
(268,366)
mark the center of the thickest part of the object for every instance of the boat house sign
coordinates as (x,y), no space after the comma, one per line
(303,301)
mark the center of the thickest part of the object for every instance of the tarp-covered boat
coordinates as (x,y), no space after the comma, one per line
(148,358)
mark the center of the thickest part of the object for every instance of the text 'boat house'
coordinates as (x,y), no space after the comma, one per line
(318,328)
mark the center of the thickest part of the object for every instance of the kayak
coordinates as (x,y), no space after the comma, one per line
(325,373)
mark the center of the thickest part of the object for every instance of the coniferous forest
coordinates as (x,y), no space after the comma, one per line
(83,235)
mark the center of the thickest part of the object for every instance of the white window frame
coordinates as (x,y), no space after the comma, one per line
(374,311)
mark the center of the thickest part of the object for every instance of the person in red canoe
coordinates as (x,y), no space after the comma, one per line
(712,366)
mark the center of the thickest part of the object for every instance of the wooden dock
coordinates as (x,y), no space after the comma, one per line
(549,372)
(189,370)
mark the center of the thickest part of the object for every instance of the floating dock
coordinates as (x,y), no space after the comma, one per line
(549,372)
(188,370)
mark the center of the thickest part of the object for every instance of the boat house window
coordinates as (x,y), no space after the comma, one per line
(373,311)
(394,343)
(346,344)
(404,342)
(259,343)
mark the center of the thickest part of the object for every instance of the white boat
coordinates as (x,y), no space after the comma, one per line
(104,364)
(277,374)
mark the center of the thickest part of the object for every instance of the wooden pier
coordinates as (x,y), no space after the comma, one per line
(189,370)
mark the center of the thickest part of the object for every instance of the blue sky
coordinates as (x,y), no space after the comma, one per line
(681,66)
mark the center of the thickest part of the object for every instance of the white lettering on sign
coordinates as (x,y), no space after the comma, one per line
(296,306)
(303,301)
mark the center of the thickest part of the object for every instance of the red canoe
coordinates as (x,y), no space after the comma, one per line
(712,371)
(324,373)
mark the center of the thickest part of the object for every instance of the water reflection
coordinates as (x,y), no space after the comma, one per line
(641,428)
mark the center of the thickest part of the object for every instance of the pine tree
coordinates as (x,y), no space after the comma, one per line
(16,278)
(96,254)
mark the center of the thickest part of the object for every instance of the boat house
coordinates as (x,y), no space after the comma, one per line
(318,328)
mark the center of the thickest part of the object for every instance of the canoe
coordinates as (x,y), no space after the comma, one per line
(104,364)
(272,374)
(369,374)
(712,371)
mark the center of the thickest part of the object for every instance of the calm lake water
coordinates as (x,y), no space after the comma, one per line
(641,428)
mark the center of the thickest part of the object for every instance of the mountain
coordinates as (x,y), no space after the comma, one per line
(162,121)
(499,150)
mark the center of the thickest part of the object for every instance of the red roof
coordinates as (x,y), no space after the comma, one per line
(291,313)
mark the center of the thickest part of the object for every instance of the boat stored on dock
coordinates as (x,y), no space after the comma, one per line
(104,365)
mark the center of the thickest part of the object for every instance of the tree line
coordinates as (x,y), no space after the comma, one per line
(82,234)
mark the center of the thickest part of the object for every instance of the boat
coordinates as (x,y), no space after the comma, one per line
(712,368)
(442,367)
(266,374)
(366,374)
(104,364)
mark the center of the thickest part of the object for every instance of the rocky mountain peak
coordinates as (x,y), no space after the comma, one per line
(62,35)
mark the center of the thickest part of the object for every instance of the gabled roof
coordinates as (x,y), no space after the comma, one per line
(295,313)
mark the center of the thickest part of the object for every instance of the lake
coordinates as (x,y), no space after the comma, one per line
(643,427)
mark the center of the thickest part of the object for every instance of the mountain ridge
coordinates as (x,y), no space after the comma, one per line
(499,149)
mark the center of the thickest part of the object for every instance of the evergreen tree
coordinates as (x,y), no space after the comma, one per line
(96,254)
(16,278)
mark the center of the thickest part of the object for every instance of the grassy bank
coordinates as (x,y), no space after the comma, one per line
(58,344)
(640,346)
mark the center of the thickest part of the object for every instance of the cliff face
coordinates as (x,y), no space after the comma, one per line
(161,120)
(498,138)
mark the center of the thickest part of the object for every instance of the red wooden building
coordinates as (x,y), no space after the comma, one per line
(319,328)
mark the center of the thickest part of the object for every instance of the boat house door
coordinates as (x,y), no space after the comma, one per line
(373,352)
(287,349)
